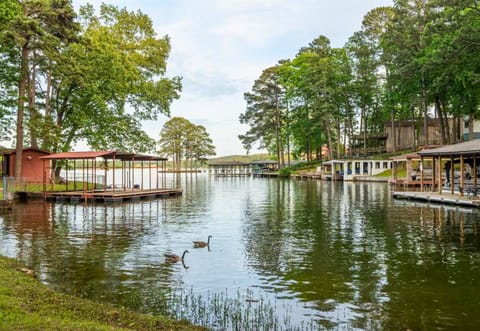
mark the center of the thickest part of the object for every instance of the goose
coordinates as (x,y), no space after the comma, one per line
(199,244)
(170,257)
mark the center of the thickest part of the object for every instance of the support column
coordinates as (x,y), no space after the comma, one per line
(452,175)
(440,181)
(462,176)
(421,174)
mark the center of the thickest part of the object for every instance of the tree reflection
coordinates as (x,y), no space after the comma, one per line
(357,258)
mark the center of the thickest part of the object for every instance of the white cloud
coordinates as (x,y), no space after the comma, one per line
(220,47)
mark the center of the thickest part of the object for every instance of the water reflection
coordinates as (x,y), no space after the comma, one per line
(344,254)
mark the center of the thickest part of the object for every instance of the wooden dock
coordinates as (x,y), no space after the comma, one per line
(265,174)
(445,198)
(112,196)
(307,175)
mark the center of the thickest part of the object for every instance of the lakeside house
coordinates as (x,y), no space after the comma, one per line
(353,169)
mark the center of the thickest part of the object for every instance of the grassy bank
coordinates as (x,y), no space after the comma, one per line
(26,304)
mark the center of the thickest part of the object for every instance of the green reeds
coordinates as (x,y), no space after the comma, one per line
(242,311)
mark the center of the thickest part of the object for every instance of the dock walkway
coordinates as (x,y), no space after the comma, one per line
(112,196)
(445,198)
(307,175)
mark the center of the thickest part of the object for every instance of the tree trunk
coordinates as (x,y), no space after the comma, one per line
(338,138)
(394,134)
(22,86)
(31,107)
(438,110)
(278,127)
(48,98)
(363,127)
(288,134)
(330,143)
(446,122)
(425,109)
(471,119)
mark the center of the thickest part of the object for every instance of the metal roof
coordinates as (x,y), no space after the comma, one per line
(77,155)
(229,163)
(10,151)
(125,156)
(264,162)
(470,147)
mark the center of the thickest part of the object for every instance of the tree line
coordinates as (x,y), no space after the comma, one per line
(68,76)
(415,60)
(185,141)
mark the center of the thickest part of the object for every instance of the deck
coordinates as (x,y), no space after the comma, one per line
(445,198)
(307,175)
(112,196)
(265,174)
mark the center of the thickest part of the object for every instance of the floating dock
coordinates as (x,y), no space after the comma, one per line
(307,175)
(112,196)
(445,198)
(265,174)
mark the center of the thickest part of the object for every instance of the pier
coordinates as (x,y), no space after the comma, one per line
(110,196)
(445,198)
(307,176)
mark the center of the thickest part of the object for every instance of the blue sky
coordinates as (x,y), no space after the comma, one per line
(221,47)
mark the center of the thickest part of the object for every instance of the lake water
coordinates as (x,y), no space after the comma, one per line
(323,255)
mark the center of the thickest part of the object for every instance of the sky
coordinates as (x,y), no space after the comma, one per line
(220,48)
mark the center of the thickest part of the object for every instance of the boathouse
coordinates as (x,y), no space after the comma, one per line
(264,168)
(455,167)
(406,171)
(454,175)
(229,169)
(105,176)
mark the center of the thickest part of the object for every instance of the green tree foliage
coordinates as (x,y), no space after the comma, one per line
(94,79)
(265,113)
(9,11)
(109,81)
(183,140)
(414,61)
(31,27)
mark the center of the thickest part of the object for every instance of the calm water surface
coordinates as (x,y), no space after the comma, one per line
(343,255)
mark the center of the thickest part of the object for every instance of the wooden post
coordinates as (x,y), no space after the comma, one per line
(141,177)
(113,174)
(452,175)
(440,180)
(66,175)
(462,176)
(421,174)
(74,181)
(434,174)
(44,182)
(475,171)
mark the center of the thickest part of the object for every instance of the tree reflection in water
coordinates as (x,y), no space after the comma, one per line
(342,254)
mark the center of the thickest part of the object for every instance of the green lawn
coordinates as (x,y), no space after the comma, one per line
(26,304)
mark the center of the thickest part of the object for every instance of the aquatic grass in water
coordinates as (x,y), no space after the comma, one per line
(221,311)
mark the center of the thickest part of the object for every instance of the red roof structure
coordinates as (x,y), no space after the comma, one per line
(107,155)
(31,163)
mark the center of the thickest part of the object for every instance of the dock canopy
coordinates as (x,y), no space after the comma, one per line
(232,168)
(94,171)
(458,161)
(468,148)
(107,155)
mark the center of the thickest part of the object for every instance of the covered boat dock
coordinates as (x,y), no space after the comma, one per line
(454,176)
(105,176)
